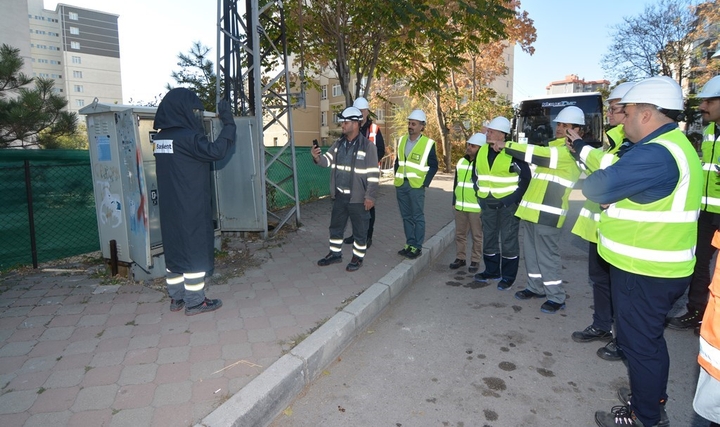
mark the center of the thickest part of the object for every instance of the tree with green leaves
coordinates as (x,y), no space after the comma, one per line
(197,73)
(26,111)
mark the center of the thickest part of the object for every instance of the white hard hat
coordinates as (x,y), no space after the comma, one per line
(350,114)
(361,103)
(660,91)
(417,115)
(620,90)
(477,139)
(499,123)
(711,88)
(572,115)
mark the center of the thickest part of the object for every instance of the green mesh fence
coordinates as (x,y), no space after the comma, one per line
(313,181)
(63,203)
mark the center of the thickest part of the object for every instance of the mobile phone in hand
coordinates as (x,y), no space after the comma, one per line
(315,143)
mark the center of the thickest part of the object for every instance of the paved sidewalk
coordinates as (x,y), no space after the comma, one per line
(75,352)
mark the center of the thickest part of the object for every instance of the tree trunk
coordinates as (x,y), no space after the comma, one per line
(444,134)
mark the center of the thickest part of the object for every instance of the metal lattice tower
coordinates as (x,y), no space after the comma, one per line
(246,45)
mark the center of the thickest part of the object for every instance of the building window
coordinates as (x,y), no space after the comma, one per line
(323,118)
(324,92)
(80,102)
(74,45)
(380,114)
(78,88)
(76,60)
(72,16)
(336,90)
(77,74)
(74,30)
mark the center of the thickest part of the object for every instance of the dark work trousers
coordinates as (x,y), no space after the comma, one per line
(501,249)
(599,274)
(342,210)
(704,251)
(371,225)
(411,202)
(641,304)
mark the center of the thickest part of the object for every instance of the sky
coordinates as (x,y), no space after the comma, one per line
(572,36)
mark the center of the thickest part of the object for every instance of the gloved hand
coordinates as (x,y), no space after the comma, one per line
(225,113)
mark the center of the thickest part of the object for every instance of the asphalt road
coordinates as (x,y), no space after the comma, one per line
(451,352)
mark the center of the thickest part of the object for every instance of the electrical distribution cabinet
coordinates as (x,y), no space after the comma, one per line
(126,192)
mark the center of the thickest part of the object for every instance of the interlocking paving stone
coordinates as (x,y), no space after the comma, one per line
(95,398)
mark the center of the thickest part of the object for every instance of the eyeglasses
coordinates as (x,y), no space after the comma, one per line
(618,110)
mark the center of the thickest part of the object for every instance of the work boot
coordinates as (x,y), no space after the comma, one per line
(349,240)
(176,304)
(355,263)
(591,334)
(404,251)
(688,320)
(619,416)
(473,267)
(624,395)
(610,352)
(485,276)
(552,307)
(527,294)
(205,307)
(413,253)
(504,285)
(457,264)
(330,258)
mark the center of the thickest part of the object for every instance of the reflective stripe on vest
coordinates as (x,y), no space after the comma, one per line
(711,179)
(657,239)
(465,198)
(497,180)
(595,159)
(415,168)
(562,170)
(372,132)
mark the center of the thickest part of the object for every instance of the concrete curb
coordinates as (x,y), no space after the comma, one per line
(261,400)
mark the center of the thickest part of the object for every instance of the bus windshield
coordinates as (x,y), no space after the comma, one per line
(535,117)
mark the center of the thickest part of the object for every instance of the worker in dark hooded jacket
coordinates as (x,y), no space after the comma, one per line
(183,156)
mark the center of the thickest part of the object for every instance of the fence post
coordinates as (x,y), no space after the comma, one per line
(31,217)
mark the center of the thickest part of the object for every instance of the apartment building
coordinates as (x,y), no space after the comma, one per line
(574,84)
(76,47)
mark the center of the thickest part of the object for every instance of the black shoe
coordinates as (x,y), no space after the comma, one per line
(349,240)
(591,334)
(618,416)
(473,267)
(610,352)
(527,294)
(205,307)
(484,276)
(624,395)
(552,307)
(176,304)
(404,251)
(504,285)
(413,253)
(457,264)
(355,263)
(687,321)
(368,243)
(330,258)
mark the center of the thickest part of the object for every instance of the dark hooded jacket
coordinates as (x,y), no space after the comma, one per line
(183,156)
